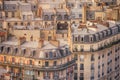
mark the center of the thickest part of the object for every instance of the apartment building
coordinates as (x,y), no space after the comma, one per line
(59,40)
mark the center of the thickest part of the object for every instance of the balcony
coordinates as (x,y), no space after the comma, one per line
(100,48)
(52,68)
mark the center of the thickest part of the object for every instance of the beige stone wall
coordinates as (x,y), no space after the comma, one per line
(29,33)
(100,15)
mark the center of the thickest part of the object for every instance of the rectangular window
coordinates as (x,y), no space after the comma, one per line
(46,64)
(0,24)
(81,76)
(6,14)
(0,15)
(92,66)
(13,14)
(81,66)
(92,57)
(55,63)
(30,62)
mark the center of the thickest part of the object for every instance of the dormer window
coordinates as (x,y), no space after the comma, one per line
(66,16)
(52,17)
(16,50)
(8,49)
(46,17)
(23,51)
(1,49)
(59,17)
(33,53)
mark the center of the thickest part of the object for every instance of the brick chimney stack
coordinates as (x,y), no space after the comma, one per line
(40,43)
(84,10)
(21,40)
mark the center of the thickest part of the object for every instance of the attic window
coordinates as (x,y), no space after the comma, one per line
(66,16)
(8,49)
(16,50)
(46,17)
(52,17)
(1,49)
(59,17)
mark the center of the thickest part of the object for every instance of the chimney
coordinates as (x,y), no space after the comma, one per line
(40,43)
(84,10)
(55,43)
(21,40)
